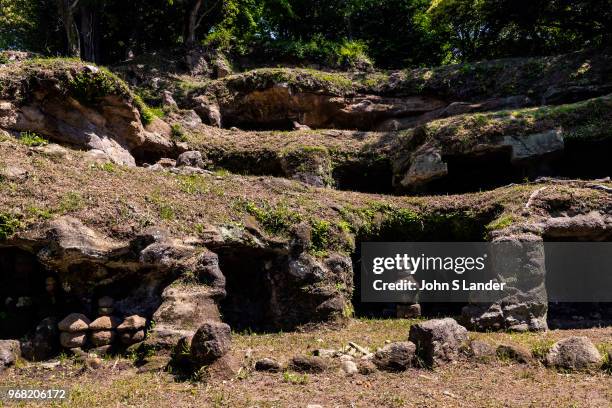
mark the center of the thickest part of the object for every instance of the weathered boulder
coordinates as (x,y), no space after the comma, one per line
(308,364)
(132,323)
(10,352)
(481,351)
(574,353)
(366,366)
(397,356)
(268,364)
(132,337)
(67,104)
(192,158)
(43,343)
(102,337)
(13,173)
(349,367)
(210,342)
(513,352)
(438,341)
(518,260)
(104,323)
(425,167)
(73,340)
(74,322)
(308,165)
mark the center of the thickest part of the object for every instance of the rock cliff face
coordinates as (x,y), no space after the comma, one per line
(275,98)
(78,105)
(274,244)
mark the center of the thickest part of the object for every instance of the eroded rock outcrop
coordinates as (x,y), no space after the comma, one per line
(519,261)
(78,105)
(268,98)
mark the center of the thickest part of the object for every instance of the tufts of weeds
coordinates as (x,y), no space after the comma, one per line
(32,139)
(294,378)
(9,224)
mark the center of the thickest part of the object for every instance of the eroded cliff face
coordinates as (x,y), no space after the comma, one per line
(277,248)
(79,105)
(275,98)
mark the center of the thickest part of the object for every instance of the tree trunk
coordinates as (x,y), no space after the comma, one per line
(192,23)
(88,34)
(66,12)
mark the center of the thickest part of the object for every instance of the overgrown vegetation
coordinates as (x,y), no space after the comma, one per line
(274,219)
(9,224)
(393,33)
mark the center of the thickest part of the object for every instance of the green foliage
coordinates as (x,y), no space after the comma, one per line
(504,221)
(158,111)
(276,220)
(9,224)
(70,202)
(32,139)
(89,86)
(335,53)
(540,348)
(193,184)
(165,209)
(178,133)
(320,236)
(146,115)
(393,33)
(294,378)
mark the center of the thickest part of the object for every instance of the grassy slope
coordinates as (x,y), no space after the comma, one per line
(120,200)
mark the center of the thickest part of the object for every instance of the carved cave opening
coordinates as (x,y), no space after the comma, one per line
(458,227)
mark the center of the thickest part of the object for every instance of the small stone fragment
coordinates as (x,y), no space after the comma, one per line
(267,364)
(308,364)
(349,367)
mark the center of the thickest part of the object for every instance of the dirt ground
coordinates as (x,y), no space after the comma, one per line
(463,384)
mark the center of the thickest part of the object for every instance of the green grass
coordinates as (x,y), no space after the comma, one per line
(32,139)
(294,378)
(178,133)
(504,221)
(9,224)
(276,220)
(71,202)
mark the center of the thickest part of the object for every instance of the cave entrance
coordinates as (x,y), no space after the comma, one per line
(368,176)
(584,159)
(581,159)
(475,172)
(566,272)
(28,293)
(456,227)
(248,305)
